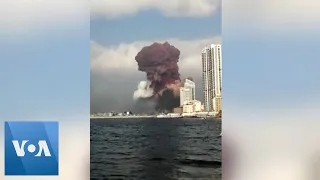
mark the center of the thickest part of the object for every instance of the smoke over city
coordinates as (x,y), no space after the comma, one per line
(160,63)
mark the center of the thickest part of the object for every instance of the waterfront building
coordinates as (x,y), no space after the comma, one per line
(212,77)
(192,107)
(187,92)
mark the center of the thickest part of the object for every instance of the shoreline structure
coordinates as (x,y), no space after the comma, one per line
(150,116)
(124,117)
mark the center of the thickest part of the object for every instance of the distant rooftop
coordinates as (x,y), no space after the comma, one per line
(210,47)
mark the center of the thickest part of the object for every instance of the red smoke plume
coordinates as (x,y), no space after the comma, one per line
(160,63)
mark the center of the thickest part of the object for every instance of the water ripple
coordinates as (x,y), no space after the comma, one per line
(154,149)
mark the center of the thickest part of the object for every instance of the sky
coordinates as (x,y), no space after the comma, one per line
(118,35)
(271,87)
(40,74)
(270,58)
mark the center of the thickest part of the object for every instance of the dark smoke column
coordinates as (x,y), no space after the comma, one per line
(160,63)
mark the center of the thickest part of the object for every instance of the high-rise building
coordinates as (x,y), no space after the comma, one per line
(187,92)
(212,77)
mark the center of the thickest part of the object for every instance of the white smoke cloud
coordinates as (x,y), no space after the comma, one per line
(143,90)
(22,15)
(190,8)
(272,14)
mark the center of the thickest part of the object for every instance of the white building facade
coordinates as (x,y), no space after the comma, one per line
(212,77)
(192,107)
(187,92)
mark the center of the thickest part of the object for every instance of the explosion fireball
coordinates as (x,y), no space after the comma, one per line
(160,63)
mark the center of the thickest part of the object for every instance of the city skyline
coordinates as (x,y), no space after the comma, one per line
(211,100)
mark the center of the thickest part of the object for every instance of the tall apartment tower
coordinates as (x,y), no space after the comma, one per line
(187,92)
(212,77)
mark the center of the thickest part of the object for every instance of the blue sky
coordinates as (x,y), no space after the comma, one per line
(152,25)
(45,74)
(270,71)
(270,56)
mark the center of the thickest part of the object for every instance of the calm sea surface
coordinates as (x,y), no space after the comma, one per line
(155,149)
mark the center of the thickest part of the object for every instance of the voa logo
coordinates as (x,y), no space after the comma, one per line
(31,148)
(41,147)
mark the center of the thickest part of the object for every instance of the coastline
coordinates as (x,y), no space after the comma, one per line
(150,116)
(120,117)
